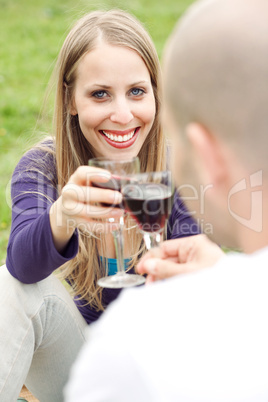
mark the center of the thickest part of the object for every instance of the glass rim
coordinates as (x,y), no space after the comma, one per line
(106,159)
(152,173)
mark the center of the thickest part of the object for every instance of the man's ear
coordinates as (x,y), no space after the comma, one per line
(209,152)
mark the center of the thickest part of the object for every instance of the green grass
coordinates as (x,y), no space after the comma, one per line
(31,33)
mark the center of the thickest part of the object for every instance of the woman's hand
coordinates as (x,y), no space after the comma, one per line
(179,256)
(79,204)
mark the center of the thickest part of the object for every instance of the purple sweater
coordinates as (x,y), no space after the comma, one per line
(31,254)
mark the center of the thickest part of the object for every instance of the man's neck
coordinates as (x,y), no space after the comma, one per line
(253,235)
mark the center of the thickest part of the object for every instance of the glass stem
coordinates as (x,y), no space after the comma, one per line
(151,239)
(118,236)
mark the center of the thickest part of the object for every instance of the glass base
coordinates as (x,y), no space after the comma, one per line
(118,281)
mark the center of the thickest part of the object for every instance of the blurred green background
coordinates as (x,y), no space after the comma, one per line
(31,34)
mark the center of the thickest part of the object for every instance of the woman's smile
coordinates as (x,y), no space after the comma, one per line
(120,139)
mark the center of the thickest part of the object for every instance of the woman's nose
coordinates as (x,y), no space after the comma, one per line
(121,112)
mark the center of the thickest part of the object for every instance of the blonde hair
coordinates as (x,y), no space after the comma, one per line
(72,149)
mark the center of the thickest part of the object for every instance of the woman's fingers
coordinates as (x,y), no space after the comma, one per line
(83,203)
(86,175)
(86,211)
(86,194)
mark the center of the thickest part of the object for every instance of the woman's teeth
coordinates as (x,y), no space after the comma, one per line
(119,138)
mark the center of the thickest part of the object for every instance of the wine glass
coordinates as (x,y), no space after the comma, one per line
(120,170)
(148,199)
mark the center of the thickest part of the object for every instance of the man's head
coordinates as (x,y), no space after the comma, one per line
(216,86)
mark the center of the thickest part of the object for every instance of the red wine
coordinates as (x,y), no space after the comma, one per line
(114,183)
(149,204)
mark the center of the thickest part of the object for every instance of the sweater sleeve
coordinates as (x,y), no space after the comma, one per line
(181,222)
(31,254)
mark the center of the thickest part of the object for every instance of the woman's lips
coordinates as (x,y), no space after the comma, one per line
(120,139)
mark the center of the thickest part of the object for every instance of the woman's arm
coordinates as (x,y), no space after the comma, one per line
(45,221)
(31,253)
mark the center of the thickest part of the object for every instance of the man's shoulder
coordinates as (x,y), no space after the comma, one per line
(176,332)
(162,300)
(254,264)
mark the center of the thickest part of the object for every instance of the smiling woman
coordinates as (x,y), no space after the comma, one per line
(107,104)
(114,99)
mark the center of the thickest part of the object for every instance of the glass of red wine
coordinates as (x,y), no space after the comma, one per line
(120,170)
(148,199)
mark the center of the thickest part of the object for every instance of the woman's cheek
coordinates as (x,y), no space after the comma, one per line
(148,112)
(90,119)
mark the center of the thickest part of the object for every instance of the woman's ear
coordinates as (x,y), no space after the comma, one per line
(210,153)
(69,102)
(72,109)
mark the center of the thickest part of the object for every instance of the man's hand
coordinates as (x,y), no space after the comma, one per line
(179,256)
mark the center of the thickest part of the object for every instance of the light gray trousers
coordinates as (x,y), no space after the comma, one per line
(41,333)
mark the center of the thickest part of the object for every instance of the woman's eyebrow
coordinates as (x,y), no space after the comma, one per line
(139,83)
(105,86)
(99,86)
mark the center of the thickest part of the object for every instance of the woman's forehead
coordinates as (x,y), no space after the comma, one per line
(109,63)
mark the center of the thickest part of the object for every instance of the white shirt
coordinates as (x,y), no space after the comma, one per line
(196,337)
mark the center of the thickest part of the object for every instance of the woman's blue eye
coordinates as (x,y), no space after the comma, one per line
(137,91)
(99,94)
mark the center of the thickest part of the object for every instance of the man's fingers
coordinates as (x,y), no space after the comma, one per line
(160,269)
(180,256)
(141,268)
(180,248)
(153,253)
(150,279)
(177,250)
